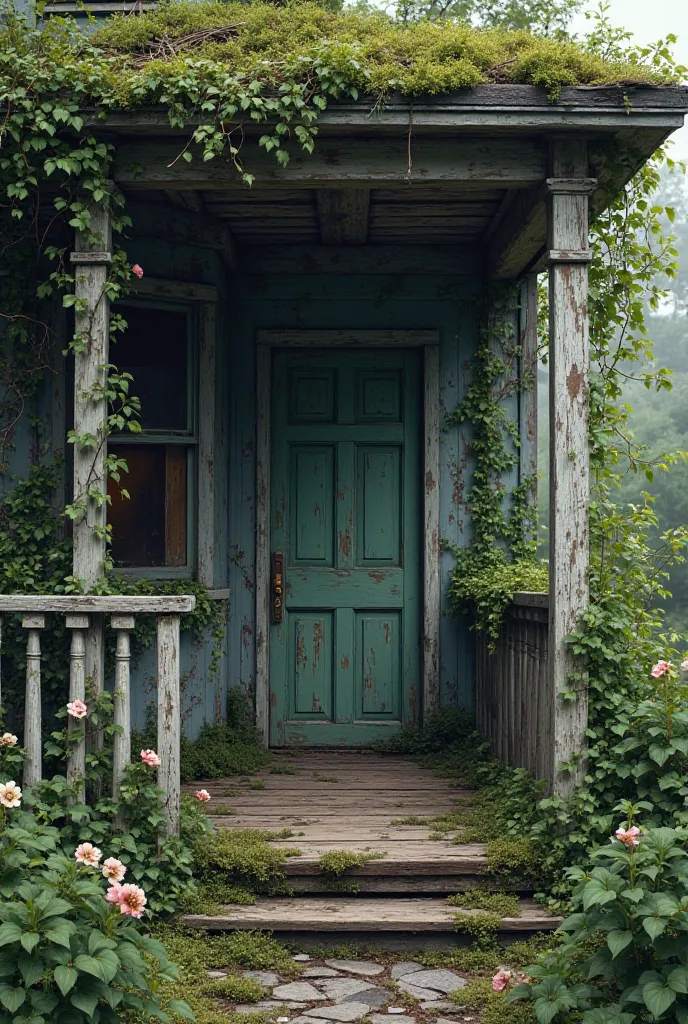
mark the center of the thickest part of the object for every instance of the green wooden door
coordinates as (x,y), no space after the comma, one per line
(346,514)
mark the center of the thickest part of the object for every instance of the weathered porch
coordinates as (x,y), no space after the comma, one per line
(368,257)
(360,803)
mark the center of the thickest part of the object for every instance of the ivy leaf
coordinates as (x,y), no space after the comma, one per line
(658,998)
(10,932)
(30,940)
(654,926)
(65,978)
(85,1003)
(618,940)
(678,980)
(12,997)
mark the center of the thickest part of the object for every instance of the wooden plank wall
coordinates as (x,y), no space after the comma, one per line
(514,709)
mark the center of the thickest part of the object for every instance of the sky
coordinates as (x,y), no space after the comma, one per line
(650,20)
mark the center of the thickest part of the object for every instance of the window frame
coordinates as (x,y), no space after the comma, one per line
(188,438)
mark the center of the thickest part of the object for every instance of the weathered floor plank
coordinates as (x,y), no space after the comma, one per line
(350,914)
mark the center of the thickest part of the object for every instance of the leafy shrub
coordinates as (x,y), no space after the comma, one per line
(243,857)
(230,747)
(623,956)
(66,953)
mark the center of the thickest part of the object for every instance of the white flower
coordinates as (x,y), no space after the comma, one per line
(10,794)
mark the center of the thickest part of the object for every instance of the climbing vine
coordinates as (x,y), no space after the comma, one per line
(501,557)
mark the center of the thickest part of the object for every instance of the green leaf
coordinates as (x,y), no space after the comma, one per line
(678,980)
(9,932)
(617,941)
(65,978)
(654,926)
(61,934)
(84,1002)
(181,1008)
(658,998)
(31,970)
(12,997)
(30,940)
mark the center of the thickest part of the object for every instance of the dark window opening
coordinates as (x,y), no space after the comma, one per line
(150,528)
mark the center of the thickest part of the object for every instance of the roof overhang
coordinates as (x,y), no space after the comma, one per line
(492,137)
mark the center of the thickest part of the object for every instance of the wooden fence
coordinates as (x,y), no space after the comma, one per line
(514,706)
(85,613)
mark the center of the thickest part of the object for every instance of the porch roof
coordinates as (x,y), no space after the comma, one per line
(463,171)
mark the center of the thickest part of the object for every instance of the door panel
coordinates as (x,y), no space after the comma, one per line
(346,513)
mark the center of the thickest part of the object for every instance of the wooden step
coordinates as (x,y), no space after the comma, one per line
(373,920)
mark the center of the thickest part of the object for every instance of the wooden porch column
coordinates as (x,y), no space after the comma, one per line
(91,259)
(568,258)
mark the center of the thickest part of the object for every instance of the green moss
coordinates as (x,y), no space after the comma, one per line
(501,903)
(370,51)
(236,989)
(494,1008)
(338,862)
(481,927)
(243,857)
(209,897)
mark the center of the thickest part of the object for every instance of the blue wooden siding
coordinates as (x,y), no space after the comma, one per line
(247,304)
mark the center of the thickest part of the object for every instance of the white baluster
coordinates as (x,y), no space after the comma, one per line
(32,703)
(169,717)
(76,760)
(121,753)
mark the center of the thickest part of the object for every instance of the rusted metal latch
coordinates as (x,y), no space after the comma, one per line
(277,586)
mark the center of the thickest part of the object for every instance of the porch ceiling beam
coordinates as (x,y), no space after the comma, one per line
(343,215)
(181,226)
(520,238)
(344,162)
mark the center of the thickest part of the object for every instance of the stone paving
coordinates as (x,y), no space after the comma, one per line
(343,991)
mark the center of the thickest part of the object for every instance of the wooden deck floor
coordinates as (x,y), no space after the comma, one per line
(356,801)
(351,800)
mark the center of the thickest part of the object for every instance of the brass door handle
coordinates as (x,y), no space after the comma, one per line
(277,586)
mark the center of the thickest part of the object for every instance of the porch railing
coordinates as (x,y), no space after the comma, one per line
(81,614)
(514,706)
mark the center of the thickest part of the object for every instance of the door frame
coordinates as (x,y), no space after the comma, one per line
(428,341)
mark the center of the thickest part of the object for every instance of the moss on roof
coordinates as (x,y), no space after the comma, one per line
(372,53)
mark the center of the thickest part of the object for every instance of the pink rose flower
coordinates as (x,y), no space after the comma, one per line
(77,708)
(10,794)
(136,269)
(132,900)
(88,854)
(8,740)
(661,669)
(501,980)
(629,837)
(114,893)
(150,758)
(203,795)
(114,870)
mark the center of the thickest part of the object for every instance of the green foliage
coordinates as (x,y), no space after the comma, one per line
(481,927)
(501,557)
(486,587)
(203,952)
(243,857)
(228,747)
(336,863)
(236,989)
(539,17)
(479,959)
(634,901)
(132,828)
(501,903)
(65,952)
(494,1008)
